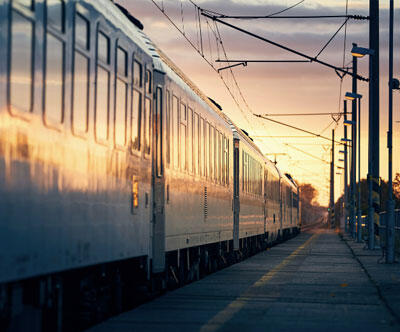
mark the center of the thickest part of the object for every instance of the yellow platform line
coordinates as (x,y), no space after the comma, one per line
(229,311)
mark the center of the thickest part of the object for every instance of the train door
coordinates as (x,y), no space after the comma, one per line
(158,181)
(236,188)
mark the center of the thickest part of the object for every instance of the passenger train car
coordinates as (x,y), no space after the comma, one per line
(116,172)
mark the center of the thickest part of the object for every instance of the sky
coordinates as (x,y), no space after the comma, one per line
(281,88)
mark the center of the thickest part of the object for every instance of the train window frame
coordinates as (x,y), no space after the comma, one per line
(159,127)
(166,124)
(206,149)
(28,15)
(62,38)
(78,14)
(136,150)
(20,5)
(175,131)
(84,51)
(121,80)
(148,82)
(228,161)
(148,117)
(77,131)
(211,152)
(183,131)
(137,63)
(201,147)
(137,87)
(50,22)
(196,143)
(189,139)
(147,120)
(106,66)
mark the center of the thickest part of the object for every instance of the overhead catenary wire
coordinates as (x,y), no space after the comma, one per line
(218,40)
(298,114)
(306,153)
(296,128)
(312,59)
(202,54)
(255,17)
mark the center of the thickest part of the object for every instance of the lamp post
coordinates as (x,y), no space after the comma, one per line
(373,141)
(355,212)
(346,188)
(346,194)
(393,84)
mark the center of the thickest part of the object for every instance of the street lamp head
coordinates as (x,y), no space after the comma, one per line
(342,151)
(360,52)
(341,159)
(349,122)
(345,139)
(352,96)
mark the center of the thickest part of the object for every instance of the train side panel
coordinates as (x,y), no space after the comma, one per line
(198,172)
(67,186)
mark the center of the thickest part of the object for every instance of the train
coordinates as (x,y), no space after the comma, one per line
(116,172)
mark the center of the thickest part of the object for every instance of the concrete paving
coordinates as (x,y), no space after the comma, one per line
(313,282)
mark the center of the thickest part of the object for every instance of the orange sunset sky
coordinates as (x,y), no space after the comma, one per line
(282,88)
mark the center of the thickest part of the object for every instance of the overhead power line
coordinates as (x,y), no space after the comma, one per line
(354,17)
(312,59)
(307,153)
(296,128)
(299,114)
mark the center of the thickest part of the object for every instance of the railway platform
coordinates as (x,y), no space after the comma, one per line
(317,281)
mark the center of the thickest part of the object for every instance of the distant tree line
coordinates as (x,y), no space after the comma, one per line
(364,197)
(311,211)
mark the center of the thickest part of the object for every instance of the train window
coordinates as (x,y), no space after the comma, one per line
(207,148)
(167,128)
(202,145)
(81,93)
(190,140)
(171,129)
(244,170)
(148,81)
(158,134)
(102,103)
(120,113)
(219,161)
(135,119)
(196,151)
(27,3)
(147,125)
(122,62)
(223,160)
(82,35)
(55,14)
(103,48)
(182,136)
(215,154)
(175,134)
(137,74)
(21,63)
(211,152)
(227,161)
(54,79)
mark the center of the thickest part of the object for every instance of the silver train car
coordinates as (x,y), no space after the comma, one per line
(117,175)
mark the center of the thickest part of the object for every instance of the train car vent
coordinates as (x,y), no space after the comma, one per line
(131,18)
(205,204)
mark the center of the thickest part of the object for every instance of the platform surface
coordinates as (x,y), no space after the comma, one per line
(310,283)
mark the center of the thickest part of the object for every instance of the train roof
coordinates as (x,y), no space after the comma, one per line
(121,21)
